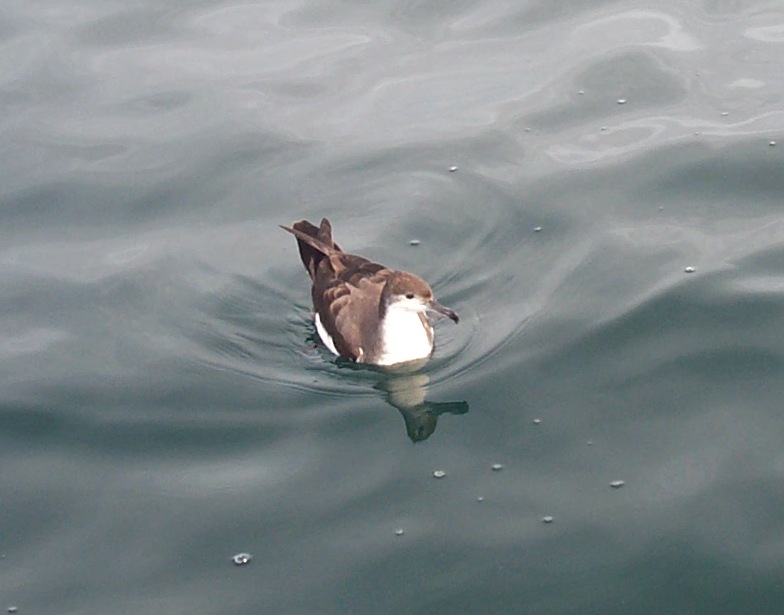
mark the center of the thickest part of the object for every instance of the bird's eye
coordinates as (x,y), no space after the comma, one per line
(409,295)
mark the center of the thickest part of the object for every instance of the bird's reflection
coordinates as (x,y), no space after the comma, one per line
(406,392)
(405,389)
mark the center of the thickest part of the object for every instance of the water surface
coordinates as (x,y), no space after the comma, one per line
(164,403)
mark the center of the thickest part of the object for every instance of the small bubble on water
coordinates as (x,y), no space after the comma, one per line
(13,609)
(414,242)
(581,92)
(547,519)
(399,531)
(690,269)
(772,143)
(725,113)
(604,128)
(497,467)
(480,499)
(241,558)
(537,229)
(621,101)
(452,169)
(617,484)
(697,133)
(439,474)
(590,442)
(537,421)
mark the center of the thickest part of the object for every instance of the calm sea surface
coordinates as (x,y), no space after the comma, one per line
(596,187)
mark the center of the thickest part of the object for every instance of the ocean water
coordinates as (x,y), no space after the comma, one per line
(596,188)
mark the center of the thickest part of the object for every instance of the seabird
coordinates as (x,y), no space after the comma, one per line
(365,311)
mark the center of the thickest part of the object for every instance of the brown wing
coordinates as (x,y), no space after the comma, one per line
(346,288)
(347,304)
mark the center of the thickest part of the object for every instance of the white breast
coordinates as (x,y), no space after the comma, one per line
(404,337)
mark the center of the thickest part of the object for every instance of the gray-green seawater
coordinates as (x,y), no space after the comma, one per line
(164,403)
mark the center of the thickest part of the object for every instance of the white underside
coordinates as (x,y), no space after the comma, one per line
(405,339)
(325,337)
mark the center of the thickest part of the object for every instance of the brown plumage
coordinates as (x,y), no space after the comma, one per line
(351,296)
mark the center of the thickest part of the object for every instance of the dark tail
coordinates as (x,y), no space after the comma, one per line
(314,242)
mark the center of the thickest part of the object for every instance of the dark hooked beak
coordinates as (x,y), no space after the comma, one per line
(437,307)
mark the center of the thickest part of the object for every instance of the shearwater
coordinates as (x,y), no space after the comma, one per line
(364,311)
